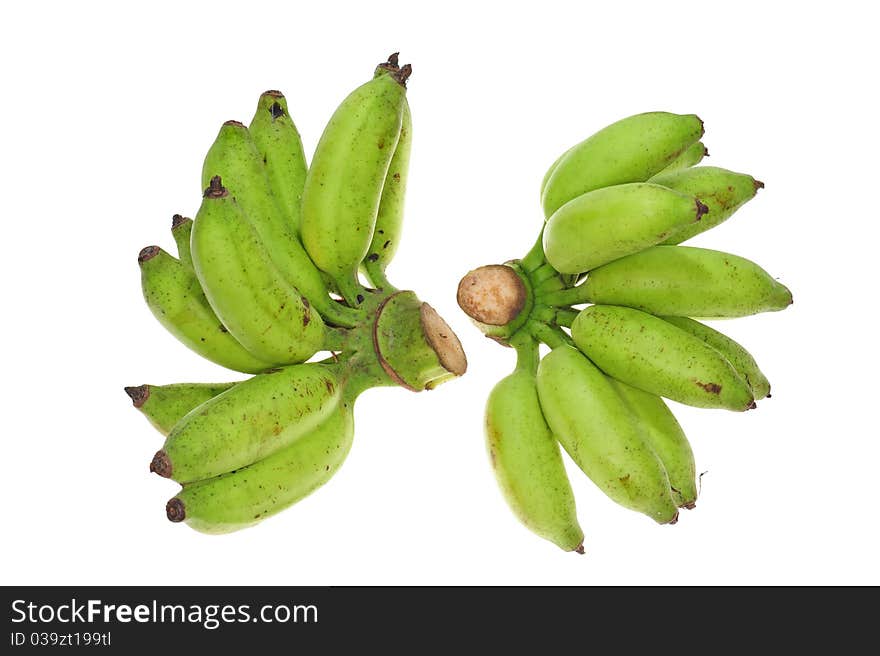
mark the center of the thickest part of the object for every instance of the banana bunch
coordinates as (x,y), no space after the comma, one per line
(267,275)
(618,300)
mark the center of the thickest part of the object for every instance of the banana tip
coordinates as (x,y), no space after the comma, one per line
(215,188)
(161,464)
(148,253)
(579,549)
(178,220)
(674,519)
(758,185)
(175,510)
(690,505)
(138,395)
(233,124)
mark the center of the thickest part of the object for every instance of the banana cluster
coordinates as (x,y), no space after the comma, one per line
(268,275)
(611,291)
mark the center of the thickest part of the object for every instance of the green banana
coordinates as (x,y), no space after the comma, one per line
(606,224)
(690,156)
(630,150)
(176,299)
(550,171)
(344,184)
(721,190)
(389,218)
(735,354)
(684,281)
(525,456)
(266,314)
(181,229)
(234,157)
(242,498)
(165,405)
(665,436)
(655,356)
(251,421)
(600,434)
(280,146)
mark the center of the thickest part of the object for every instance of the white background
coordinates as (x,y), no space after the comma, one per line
(107,111)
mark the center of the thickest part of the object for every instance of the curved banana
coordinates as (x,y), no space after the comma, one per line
(279,144)
(345,180)
(389,218)
(684,281)
(630,150)
(606,224)
(598,431)
(664,435)
(690,156)
(525,456)
(266,314)
(181,229)
(242,498)
(736,355)
(252,420)
(165,405)
(176,299)
(234,157)
(655,356)
(723,192)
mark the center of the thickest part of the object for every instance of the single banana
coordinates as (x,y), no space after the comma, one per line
(242,498)
(525,456)
(389,218)
(176,299)
(165,405)
(235,158)
(606,224)
(665,436)
(181,229)
(630,150)
(690,156)
(251,421)
(723,192)
(657,357)
(280,146)
(735,354)
(345,180)
(684,281)
(254,301)
(600,434)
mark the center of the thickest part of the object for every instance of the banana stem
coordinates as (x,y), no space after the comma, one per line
(566,317)
(552,336)
(535,257)
(527,354)
(378,279)
(553,284)
(542,274)
(335,339)
(564,297)
(352,291)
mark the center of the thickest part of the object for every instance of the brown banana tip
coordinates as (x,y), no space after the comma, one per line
(138,395)
(674,519)
(233,124)
(690,505)
(579,549)
(404,73)
(215,188)
(758,185)
(751,406)
(161,464)
(178,220)
(702,209)
(393,59)
(273,93)
(702,126)
(705,152)
(148,253)
(175,510)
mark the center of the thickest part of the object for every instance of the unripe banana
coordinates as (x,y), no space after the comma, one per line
(251,421)
(234,157)
(721,190)
(630,150)
(165,405)
(181,229)
(266,314)
(598,431)
(345,180)
(690,156)
(176,299)
(526,460)
(280,146)
(606,224)
(655,356)
(735,354)
(552,168)
(684,281)
(389,218)
(664,435)
(242,498)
